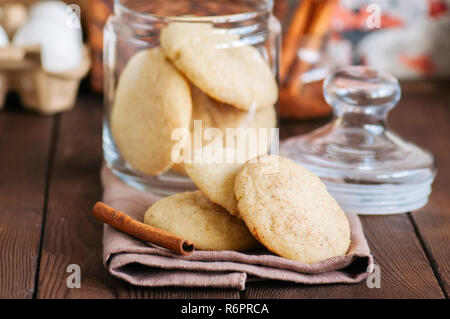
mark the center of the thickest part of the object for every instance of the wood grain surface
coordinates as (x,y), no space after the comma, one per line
(428,125)
(24,155)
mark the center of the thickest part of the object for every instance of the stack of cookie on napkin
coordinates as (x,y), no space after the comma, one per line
(144,264)
(284,206)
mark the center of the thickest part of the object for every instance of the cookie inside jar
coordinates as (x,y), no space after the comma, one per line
(212,81)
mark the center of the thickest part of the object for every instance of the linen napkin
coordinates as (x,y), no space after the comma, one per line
(144,264)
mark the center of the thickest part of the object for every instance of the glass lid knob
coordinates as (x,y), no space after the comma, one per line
(359,89)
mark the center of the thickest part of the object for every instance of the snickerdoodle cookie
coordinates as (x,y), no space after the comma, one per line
(216,179)
(220,65)
(152,99)
(288,209)
(215,114)
(194,217)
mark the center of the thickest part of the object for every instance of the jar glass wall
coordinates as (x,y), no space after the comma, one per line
(183,75)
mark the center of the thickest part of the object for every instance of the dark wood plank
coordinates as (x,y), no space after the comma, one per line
(25,142)
(406,272)
(72,235)
(428,125)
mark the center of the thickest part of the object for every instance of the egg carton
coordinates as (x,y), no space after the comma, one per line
(41,91)
(21,69)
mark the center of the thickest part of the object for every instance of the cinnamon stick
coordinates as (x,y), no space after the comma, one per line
(320,24)
(128,225)
(296,30)
(297,98)
(317,30)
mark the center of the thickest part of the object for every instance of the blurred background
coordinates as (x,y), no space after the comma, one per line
(408,38)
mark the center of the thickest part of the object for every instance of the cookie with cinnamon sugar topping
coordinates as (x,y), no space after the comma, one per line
(288,209)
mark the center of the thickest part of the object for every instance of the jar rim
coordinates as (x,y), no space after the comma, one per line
(266,7)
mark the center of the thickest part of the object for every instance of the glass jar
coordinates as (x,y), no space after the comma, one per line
(180,76)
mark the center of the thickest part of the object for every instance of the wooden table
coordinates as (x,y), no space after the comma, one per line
(49,180)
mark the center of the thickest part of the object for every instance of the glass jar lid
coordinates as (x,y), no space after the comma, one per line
(367,167)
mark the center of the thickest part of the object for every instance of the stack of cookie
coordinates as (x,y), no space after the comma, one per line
(198,73)
(268,200)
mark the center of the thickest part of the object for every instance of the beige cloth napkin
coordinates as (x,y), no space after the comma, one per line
(144,264)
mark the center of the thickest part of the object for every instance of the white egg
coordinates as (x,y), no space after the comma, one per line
(60,50)
(58,12)
(53,10)
(4,40)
